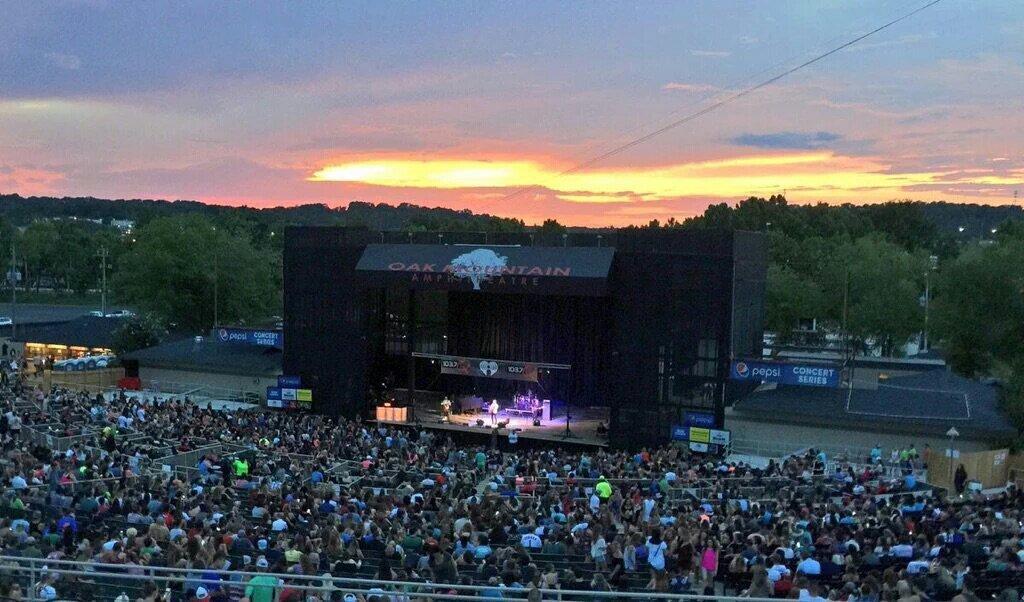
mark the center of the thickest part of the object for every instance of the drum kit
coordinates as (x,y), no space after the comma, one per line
(526,403)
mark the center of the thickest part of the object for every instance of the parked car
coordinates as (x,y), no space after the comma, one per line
(121,313)
(6,321)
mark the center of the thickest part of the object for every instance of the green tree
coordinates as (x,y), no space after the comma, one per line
(138,332)
(882,284)
(179,265)
(37,250)
(979,306)
(790,297)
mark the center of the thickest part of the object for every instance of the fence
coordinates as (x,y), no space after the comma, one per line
(41,435)
(189,458)
(195,390)
(989,468)
(94,381)
(97,581)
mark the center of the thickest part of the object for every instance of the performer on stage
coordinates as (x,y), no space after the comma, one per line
(446,408)
(494,407)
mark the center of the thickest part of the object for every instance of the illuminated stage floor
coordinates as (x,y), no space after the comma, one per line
(582,426)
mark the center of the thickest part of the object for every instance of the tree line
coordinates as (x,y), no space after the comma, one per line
(861,272)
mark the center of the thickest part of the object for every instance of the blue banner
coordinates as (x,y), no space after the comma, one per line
(680,433)
(289,382)
(273,392)
(251,336)
(808,375)
(701,419)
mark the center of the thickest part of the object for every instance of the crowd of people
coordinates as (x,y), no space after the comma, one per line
(272,506)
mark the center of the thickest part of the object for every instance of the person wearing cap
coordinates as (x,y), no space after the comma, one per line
(261,588)
(201,595)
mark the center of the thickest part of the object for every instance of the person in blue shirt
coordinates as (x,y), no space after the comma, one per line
(68,521)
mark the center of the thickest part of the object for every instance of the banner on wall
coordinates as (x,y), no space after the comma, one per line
(250,336)
(700,435)
(466,366)
(807,375)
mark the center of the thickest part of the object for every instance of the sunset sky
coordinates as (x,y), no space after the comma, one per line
(462,104)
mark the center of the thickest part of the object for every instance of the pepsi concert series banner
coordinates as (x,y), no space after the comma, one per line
(807,375)
(466,366)
(251,336)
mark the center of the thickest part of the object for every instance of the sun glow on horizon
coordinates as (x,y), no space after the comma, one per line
(821,173)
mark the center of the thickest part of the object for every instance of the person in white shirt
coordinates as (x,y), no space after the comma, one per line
(811,595)
(778,570)
(808,566)
(531,541)
(902,550)
(494,407)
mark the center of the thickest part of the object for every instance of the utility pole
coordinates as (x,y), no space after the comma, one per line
(848,353)
(933,263)
(103,254)
(216,277)
(13,277)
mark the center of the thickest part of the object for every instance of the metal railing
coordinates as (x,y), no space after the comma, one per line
(114,579)
(38,435)
(201,392)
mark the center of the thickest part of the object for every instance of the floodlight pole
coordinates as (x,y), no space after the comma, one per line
(14,290)
(952,433)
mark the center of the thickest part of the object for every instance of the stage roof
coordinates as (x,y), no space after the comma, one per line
(490,268)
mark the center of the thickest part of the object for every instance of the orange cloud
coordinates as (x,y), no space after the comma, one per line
(809,175)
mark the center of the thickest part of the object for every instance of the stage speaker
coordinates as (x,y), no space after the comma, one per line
(479,422)
(536,422)
(545,410)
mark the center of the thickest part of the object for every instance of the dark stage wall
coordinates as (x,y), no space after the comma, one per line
(557,330)
(679,304)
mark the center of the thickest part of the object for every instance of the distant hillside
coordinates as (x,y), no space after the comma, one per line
(977,220)
(20,210)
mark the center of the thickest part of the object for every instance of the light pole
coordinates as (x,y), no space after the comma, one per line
(103,254)
(216,277)
(952,433)
(933,262)
(14,289)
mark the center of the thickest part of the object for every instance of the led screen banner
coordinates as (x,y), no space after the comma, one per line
(501,269)
(467,366)
(807,375)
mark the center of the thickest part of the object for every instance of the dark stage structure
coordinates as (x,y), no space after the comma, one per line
(643,322)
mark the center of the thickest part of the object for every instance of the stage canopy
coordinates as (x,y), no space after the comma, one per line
(498,269)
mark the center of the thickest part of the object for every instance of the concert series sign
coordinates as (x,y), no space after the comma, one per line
(250,336)
(553,270)
(807,375)
(467,366)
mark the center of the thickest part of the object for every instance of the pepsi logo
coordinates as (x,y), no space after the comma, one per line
(222,334)
(742,369)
